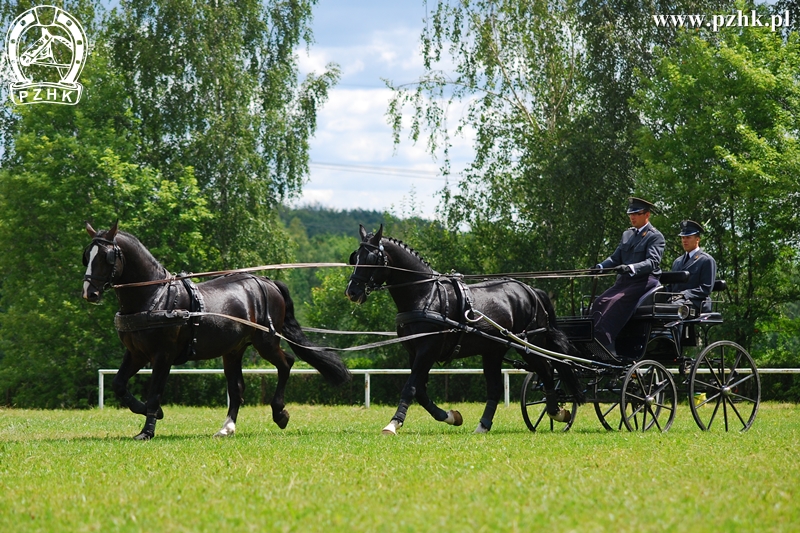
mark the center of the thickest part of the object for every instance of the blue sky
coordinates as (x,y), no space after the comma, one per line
(354,162)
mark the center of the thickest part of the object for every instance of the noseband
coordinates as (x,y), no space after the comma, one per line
(113,257)
(370,284)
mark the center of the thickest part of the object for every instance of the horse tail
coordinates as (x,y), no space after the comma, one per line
(559,342)
(327,362)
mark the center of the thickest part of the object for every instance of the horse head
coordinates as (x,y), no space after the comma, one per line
(369,260)
(103,260)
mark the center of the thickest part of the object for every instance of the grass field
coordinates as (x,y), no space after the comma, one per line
(332,470)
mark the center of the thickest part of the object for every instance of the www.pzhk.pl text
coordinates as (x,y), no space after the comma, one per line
(739,19)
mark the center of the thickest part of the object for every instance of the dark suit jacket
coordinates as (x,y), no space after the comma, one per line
(642,250)
(702,272)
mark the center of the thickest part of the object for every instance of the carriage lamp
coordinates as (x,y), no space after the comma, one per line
(683,312)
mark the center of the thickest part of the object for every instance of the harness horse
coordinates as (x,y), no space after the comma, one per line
(164,322)
(433,311)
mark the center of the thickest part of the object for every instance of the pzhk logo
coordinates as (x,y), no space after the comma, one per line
(46,49)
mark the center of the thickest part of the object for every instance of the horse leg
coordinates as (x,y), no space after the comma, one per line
(416,387)
(492,372)
(161,368)
(271,351)
(127,370)
(554,411)
(451,417)
(232,363)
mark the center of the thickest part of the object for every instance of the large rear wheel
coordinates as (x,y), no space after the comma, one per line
(649,397)
(533,405)
(724,388)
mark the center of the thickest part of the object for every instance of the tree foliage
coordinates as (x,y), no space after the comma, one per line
(721,143)
(192,127)
(215,86)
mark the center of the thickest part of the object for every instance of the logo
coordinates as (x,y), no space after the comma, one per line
(46,50)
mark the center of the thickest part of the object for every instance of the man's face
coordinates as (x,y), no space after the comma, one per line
(639,219)
(690,242)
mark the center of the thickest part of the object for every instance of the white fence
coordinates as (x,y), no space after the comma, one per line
(367,373)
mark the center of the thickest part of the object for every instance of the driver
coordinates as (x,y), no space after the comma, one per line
(636,260)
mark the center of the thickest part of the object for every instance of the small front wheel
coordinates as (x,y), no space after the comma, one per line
(533,405)
(649,397)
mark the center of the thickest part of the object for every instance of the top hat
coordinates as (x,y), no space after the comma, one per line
(690,227)
(637,205)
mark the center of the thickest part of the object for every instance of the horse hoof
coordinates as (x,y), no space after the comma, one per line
(283,419)
(562,416)
(454,418)
(481,428)
(391,428)
(143,436)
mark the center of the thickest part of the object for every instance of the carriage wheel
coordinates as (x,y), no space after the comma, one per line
(606,402)
(724,383)
(533,405)
(649,397)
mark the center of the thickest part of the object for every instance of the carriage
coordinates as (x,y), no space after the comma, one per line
(636,389)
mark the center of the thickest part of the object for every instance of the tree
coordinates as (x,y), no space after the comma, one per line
(69,164)
(214,86)
(546,88)
(721,141)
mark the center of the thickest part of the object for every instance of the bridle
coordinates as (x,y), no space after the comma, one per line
(381,259)
(114,257)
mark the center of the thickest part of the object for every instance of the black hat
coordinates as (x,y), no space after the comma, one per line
(636,205)
(690,227)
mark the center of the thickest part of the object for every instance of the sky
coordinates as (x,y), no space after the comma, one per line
(354,163)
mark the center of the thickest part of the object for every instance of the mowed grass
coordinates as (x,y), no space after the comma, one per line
(332,470)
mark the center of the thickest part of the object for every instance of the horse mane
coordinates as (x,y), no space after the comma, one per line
(408,249)
(140,249)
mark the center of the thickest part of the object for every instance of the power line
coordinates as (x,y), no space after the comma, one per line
(389,171)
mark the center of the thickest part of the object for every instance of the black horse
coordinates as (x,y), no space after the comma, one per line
(429,303)
(155,325)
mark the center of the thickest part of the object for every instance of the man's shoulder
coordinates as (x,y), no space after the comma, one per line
(653,234)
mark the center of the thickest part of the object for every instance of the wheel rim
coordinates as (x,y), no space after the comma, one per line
(724,388)
(606,402)
(533,405)
(648,398)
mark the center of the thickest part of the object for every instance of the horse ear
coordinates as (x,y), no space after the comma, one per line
(363,232)
(90,230)
(113,231)
(379,234)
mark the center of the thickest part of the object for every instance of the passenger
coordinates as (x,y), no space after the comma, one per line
(637,260)
(701,267)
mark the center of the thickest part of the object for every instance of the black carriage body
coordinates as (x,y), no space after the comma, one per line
(721,380)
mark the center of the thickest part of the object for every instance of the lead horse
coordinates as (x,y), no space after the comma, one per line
(429,305)
(156,324)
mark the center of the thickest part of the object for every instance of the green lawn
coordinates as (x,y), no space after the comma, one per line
(332,470)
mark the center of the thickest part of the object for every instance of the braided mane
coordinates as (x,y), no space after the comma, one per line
(408,249)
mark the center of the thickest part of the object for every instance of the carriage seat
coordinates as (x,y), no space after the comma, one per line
(655,302)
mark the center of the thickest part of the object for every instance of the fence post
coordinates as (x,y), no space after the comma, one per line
(506,388)
(100,390)
(366,390)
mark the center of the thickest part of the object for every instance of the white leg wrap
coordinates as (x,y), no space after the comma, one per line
(228,428)
(481,429)
(392,427)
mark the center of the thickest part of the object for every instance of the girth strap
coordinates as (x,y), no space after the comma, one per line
(151,320)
